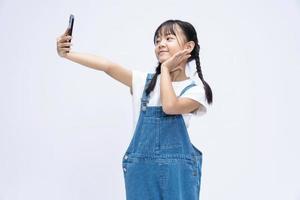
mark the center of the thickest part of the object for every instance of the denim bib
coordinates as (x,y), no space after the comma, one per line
(160,162)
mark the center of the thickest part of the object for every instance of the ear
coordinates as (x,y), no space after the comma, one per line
(190,46)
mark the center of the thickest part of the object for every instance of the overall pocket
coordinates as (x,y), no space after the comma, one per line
(192,166)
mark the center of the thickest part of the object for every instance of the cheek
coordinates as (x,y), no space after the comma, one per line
(174,47)
(156,51)
(174,51)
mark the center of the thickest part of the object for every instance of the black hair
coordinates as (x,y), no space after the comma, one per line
(191,35)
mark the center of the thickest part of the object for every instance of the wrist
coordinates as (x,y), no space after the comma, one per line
(165,68)
(67,55)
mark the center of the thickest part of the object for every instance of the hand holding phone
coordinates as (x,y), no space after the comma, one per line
(63,42)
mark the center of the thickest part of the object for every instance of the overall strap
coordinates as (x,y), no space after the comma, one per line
(187,87)
(145,98)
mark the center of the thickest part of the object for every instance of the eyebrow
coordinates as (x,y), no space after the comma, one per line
(165,35)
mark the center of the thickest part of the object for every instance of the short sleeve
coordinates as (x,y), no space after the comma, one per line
(138,82)
(197,93)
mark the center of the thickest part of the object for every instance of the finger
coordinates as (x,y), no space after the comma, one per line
(67,38)
(183,58)
(181,53)
(178,54)
(186,57)
(64,39)
(186,51)
(66,44)
(189,55)
(63,46)
(65,49)
(66,31)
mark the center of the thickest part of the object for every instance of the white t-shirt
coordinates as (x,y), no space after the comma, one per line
(196,93)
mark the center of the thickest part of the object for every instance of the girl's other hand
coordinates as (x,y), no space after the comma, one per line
(174,61)
(63,44)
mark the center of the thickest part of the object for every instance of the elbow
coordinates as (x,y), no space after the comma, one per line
(167,108)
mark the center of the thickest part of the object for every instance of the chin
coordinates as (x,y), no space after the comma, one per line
(162,59)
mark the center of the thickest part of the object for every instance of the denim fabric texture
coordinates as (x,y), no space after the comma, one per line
(160,162)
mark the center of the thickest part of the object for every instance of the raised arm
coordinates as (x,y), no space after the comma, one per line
(100,63)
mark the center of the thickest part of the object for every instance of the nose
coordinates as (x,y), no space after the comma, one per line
(161,44)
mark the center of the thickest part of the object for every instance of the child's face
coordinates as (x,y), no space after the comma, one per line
(169,44)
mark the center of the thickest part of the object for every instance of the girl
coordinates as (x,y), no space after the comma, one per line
(160,161)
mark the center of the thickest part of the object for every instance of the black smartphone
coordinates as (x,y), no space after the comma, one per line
(70,27)
(71,23)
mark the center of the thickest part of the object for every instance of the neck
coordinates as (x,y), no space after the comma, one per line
(178,73)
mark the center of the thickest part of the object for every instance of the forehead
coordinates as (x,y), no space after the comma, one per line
(169,29)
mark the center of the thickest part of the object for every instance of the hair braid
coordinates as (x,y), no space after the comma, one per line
(208,92)
(153,81)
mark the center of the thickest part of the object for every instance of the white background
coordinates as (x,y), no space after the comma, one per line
(64,127)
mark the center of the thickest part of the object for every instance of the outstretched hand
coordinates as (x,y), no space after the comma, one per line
(173,62)
(63,44)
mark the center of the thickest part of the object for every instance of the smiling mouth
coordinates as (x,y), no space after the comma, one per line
(162,52)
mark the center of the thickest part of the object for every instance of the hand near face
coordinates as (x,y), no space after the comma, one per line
(174,61)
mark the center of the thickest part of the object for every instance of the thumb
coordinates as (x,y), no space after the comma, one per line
(176,69)
(66,31)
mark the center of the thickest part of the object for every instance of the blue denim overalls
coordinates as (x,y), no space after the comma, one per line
(161,163)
